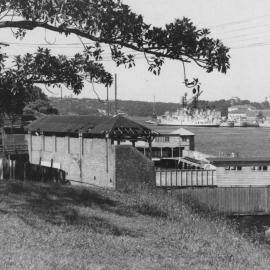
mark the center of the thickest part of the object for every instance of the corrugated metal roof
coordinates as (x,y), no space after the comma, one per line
(166,130)
(66,123)
(182,132)
(120,125)
(117,126)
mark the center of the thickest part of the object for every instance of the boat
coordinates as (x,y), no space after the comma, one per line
(264,124)
(189,114)
(185,117)
(243,122)
(252,124)
(240,124)
(151,122)
(227,124)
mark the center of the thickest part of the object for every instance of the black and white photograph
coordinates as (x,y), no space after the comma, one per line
(134,134)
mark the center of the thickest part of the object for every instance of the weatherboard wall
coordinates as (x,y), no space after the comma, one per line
(244,177)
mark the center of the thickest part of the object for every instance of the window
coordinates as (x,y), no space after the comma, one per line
(233,168)
(184,138)
(162,139)
(259,168)
(156,152)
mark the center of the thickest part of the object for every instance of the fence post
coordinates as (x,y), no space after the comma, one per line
(9,168)
(51,171)
(13,169)
(267,208)
(24,171)
(39,171)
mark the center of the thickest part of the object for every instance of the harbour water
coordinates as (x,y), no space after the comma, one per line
(253,142)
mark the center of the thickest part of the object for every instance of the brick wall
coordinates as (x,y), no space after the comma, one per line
(98,162)
(93,164)
(132,167)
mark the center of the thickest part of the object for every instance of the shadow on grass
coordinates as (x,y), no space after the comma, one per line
(57,205)
(150,210)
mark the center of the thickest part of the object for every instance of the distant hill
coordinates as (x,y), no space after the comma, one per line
(94,106)
(138,108)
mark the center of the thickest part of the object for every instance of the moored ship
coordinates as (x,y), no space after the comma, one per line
(227,124)
(189,115)
(264,124)
(186,117)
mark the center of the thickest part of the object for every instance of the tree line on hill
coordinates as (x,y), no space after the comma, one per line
(141,108)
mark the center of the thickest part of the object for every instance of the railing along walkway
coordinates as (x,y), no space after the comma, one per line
(185,178)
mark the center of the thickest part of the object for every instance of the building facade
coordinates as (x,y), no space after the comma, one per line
(241,171)
(169,144)
(90,157)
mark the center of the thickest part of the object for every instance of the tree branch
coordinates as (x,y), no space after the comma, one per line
(30,25)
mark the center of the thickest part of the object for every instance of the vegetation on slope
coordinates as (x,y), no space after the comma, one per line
(55,227)
(141,108)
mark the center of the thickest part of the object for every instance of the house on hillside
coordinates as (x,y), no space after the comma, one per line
(238,113)
(89,149)
(169,143)
(168,146)
(220,172)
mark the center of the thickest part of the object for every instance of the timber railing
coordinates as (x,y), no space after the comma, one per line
(185,178)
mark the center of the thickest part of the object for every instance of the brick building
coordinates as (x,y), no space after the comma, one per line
(89,149)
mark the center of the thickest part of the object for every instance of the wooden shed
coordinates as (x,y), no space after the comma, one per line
(253,171)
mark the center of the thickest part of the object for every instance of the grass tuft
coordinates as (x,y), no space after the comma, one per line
(64,227)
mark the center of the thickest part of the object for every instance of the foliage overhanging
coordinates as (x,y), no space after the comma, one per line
(107,23)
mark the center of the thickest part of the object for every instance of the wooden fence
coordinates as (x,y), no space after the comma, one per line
(20,169)
(185,178)
(229,200)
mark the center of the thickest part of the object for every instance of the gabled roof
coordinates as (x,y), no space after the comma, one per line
(116,127)
(120,126)
(66,123)
(170,130)
(182,132)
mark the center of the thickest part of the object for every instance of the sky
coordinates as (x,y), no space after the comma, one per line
(242,25)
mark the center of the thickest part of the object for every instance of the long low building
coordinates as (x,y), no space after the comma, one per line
(242,171)
(89,149)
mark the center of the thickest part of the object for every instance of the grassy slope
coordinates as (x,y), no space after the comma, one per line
(51,227)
